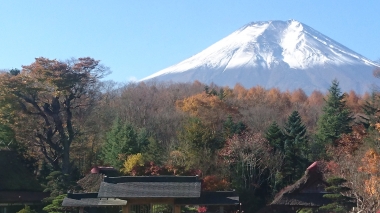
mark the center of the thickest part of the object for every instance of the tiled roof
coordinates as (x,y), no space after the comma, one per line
(90,200)
(150,187)
(211,198)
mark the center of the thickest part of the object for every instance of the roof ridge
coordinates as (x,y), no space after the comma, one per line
(160,178)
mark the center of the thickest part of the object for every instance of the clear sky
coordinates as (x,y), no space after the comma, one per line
(138,38)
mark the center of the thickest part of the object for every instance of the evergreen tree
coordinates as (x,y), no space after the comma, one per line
(122,140)
(14,71)
(275,137)
(27,210)
(230,127)
(57,184)
(336,118)
(371,108)
(340,203)
(154,152)
(295,147)
(142,140)
(56,205)
(198,144)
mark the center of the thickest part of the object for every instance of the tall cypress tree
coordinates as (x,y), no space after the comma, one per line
(121,141)
(371,109)
(336,118)
(230,127)
(275,137)
(295,148)
(154,152)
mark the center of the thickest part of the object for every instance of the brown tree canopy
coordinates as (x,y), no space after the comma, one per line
(43,99)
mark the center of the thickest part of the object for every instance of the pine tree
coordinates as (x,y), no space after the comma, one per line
(27,210)
(142,140)
(336,118)
(295,147)
(340,203)
(154,152)
(275,137)
(121,141)
(230,127)
(371,109)
(198,144)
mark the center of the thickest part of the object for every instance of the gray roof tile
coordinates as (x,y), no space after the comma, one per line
(150,187)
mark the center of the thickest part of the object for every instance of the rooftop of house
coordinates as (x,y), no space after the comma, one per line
(307,191)
(90,200)
(150,187)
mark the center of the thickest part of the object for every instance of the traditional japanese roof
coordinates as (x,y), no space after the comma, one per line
(15,176)
(91,182)
(90,200)
(307,191)
(150,187)
(211,198)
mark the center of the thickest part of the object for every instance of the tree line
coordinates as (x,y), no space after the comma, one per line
(62,119)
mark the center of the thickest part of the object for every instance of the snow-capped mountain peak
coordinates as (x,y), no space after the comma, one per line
(260,50)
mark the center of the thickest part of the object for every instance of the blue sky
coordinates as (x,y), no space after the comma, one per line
(138,38)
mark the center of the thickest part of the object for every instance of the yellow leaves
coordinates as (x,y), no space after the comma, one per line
(132,161)
(371,166)
(240,91)
(195,103)
(371,162)
(298,96)
(372,186)
(207,107)
(377,126)
(177,159)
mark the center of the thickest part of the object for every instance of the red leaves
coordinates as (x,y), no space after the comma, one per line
(214,183)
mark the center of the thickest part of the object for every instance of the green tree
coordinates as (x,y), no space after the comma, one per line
(295,147)
(371,109)
(43,100)
(27,210)
(58,184)
(7,136)
(122,140)
(56,205)
(154,152)
(230,127)
(336,118)
(142,139)
(339,202)
(14,71)
(198,144)
(275,137)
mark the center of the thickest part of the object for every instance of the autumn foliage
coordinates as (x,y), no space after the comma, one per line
(214,183)
(371,166)
(62,113)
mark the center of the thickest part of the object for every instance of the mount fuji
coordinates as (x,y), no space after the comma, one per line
(284,54)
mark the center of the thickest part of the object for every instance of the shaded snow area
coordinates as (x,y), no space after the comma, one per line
(283,54)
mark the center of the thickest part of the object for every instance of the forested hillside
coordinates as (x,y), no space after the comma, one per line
(62,119)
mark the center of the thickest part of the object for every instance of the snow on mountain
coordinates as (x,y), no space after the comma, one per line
(283,54)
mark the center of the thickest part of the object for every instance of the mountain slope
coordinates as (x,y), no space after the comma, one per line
(287,55)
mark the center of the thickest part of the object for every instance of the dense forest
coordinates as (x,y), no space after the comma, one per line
(62,119)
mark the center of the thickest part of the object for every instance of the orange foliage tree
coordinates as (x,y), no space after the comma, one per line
(214,183)
(371,166)
(45,99)
(209,108)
